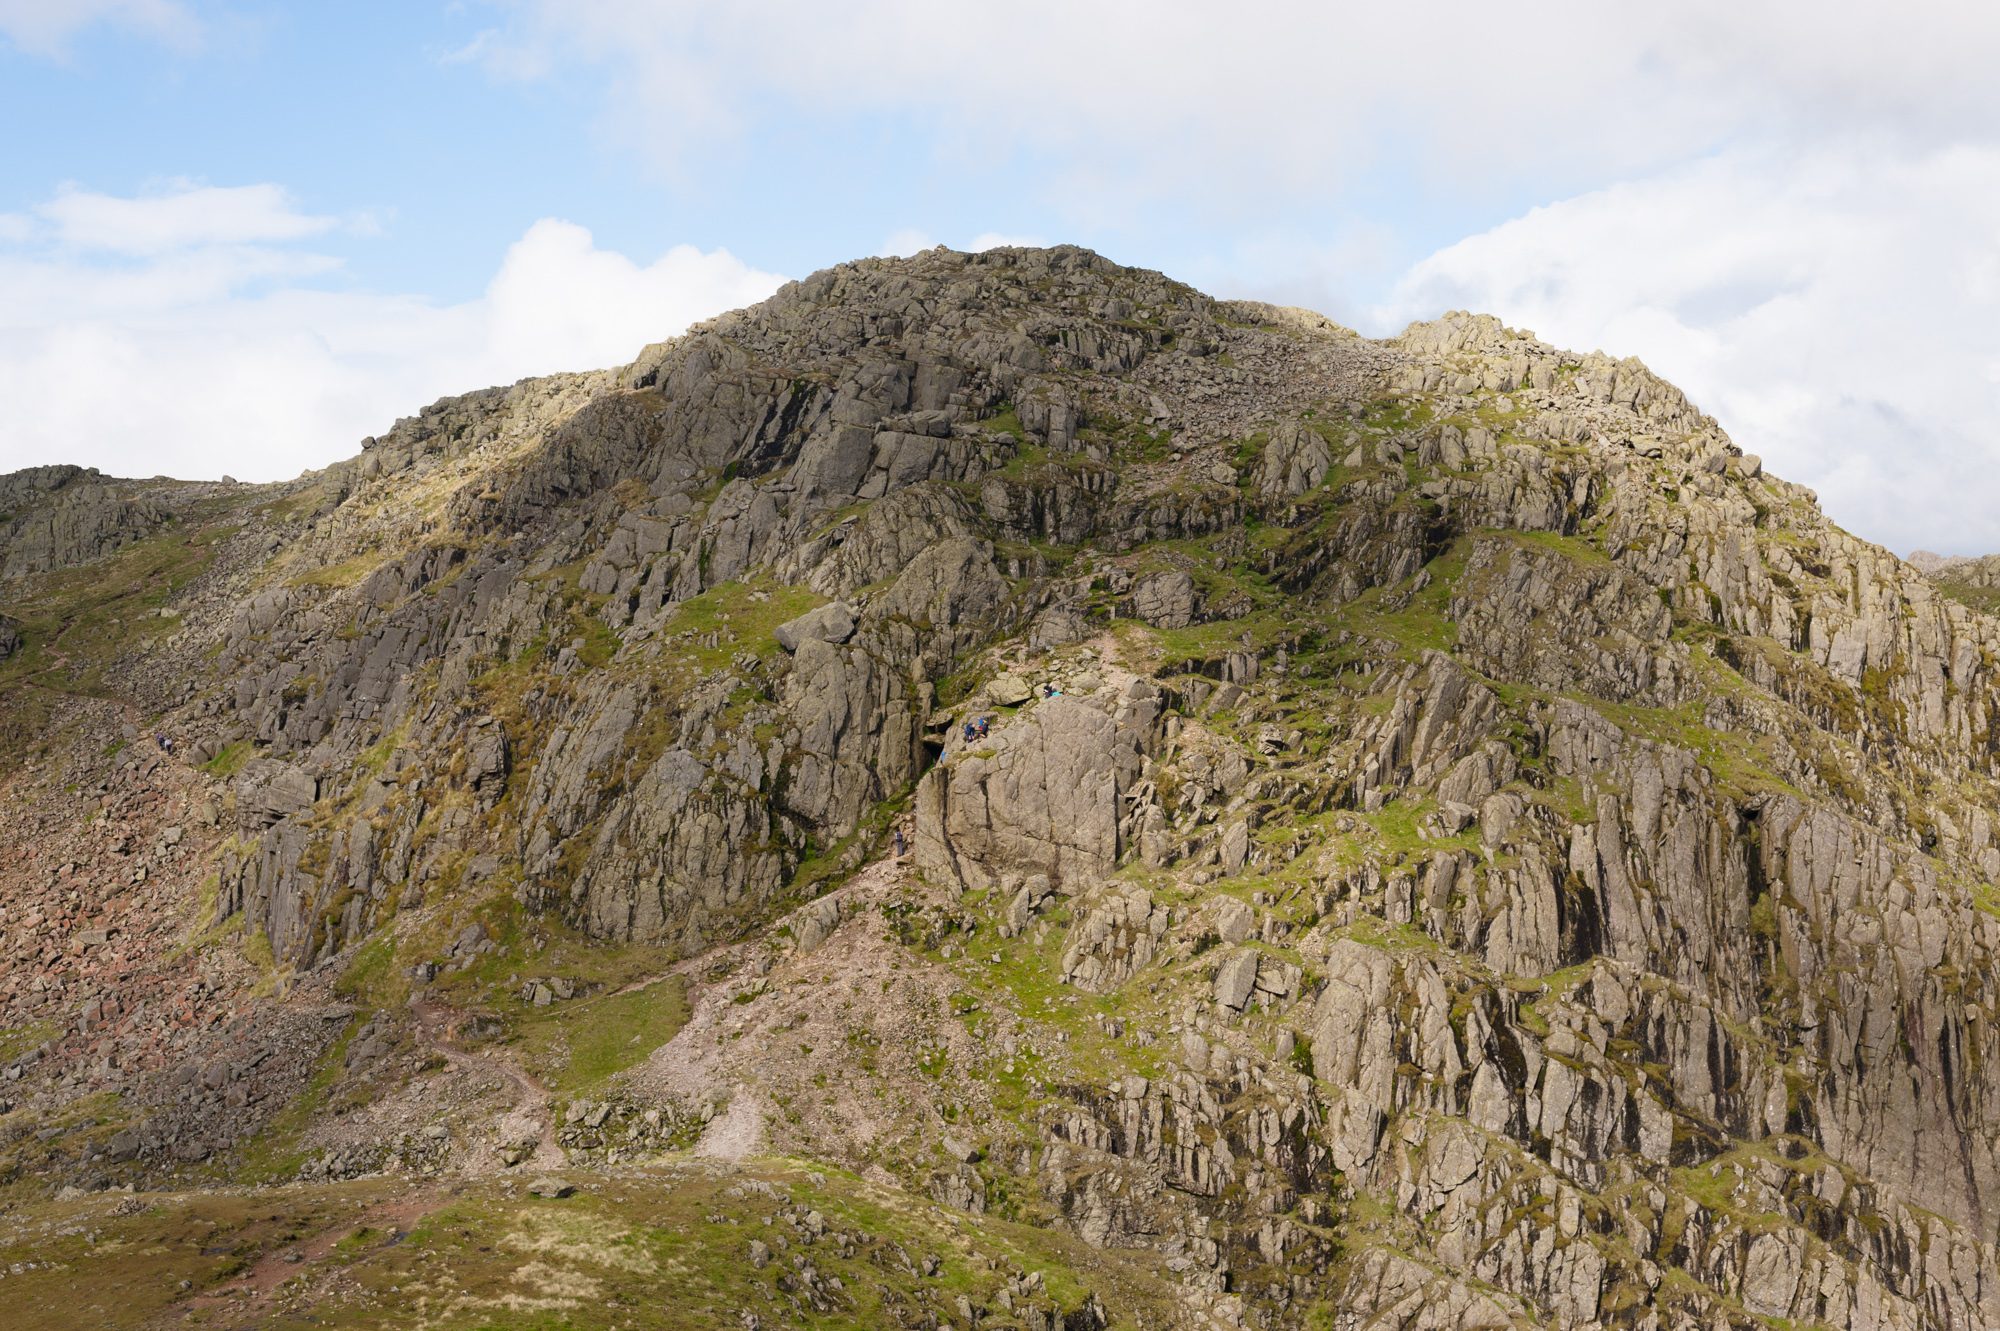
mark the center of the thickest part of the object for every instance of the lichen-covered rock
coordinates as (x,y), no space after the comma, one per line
(270,791)
(1112,940)
(1165,600)
(1295,460)
(1236,979)
(833,622)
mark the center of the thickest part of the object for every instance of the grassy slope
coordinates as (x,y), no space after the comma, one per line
(667,1248)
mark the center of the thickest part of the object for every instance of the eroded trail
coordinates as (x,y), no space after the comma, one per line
(533,1112)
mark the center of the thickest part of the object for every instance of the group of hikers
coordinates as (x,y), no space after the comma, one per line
(983,726)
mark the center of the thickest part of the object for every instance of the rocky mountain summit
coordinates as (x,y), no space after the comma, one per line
(1975,580)
(997,790)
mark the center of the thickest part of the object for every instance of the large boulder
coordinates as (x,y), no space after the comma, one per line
(1236,979)
(1166,600)
(1008,690)
(833,622)
(1044,794)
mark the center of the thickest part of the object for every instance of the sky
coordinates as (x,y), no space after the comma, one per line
(236,237)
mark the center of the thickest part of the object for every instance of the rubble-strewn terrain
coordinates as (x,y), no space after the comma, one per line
(997,790)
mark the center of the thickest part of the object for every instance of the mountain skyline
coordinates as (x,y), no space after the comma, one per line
(274,229)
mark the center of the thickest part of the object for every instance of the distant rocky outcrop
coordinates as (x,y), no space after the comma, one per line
(1974,580)
(56,517)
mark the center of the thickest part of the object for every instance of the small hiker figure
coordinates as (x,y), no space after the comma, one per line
(984,723)
(971,731)
(899,843)
(166,745)
(1051,691)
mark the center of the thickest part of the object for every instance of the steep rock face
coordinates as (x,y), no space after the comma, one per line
(1451,843)
(1047,799)
(892,412)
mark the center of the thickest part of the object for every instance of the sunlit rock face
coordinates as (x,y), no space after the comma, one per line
(1414,833)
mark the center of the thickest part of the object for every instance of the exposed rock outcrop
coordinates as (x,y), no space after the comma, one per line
(1418,833)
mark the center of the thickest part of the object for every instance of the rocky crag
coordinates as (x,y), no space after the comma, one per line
(1451,843)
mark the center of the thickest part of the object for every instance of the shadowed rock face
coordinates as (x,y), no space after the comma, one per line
(1453,843)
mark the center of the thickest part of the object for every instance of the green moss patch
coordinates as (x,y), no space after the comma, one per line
(575,1046)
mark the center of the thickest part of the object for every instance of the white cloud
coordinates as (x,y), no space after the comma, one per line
(45,27)
(1237,109)
(559,302)
(214,358)
(1832,310)
(1313,266)
(509,61)
(181,216)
